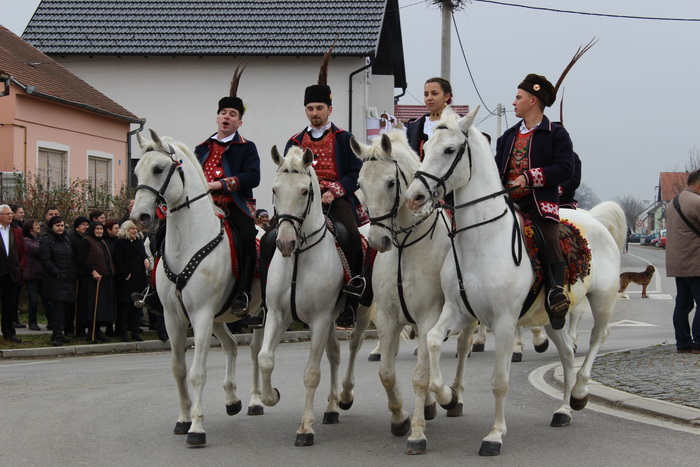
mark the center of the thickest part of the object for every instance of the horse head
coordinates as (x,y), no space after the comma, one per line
(447,164)
(383,180)
(296,196)
(159,186)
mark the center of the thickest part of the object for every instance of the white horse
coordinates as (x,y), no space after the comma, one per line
(304,282)
(405,278)
(539,341)
(491,286)
(196,255)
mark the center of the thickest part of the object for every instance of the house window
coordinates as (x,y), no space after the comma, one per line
(100,174)
(52,168)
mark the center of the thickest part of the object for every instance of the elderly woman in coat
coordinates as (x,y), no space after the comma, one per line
(96,286)
(58,276)
(130,264)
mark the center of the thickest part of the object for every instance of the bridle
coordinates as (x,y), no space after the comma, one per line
(175,165)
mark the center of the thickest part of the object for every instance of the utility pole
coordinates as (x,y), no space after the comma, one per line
(446,39)
(499,111)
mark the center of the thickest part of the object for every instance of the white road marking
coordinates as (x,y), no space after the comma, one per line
(627,322)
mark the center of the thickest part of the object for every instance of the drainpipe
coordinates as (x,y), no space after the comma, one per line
(128,152)
(396,98)
(371,61)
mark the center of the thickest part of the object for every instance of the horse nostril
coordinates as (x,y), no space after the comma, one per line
(419,199)
(144,218)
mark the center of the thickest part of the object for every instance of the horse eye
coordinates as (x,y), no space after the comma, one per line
(449,151)
(305,192)
(391,184)
(157,170)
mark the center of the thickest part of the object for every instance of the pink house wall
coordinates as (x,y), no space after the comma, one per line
(30,123)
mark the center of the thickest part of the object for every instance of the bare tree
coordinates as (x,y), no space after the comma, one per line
(586,197)
(632,207)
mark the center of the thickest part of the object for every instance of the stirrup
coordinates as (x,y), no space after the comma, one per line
(239,306)
(353,289)
(256,320)
(139,299)
(557,305)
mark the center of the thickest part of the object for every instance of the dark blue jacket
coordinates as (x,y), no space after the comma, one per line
(240,160)
(551,163)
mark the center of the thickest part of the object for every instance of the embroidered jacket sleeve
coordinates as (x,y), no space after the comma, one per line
(249,175)
(554,163)
(350,164)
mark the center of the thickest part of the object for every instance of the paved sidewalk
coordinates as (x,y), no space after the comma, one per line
(654,380)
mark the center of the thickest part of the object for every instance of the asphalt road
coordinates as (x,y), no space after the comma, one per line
(121,409)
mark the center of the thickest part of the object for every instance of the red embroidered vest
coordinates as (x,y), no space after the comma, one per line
(214,170)
(518,163)
(324,157)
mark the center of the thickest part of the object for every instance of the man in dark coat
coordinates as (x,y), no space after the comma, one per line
(337,169)
(535,157)
(232,168)
(12,258)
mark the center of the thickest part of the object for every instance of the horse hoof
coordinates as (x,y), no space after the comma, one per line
(196,440)
(345,405)
(490,448)
(478,348)
(430,411)
(233,409)
(542,348)
(330,418)
(560,420)
(453,402)
(181,428)
(517,357)
(256,410)
(578,404)
(400,429)
(414,447)
(374,357)
(304,439)
(456,411)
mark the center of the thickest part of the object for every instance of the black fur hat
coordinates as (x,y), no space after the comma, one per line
(539,86)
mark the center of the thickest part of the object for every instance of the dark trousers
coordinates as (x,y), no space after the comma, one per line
(8,294)
(687,297)
(549,228)
(128,318)
(59,308)
(244,228)
(33,294)
(341,211)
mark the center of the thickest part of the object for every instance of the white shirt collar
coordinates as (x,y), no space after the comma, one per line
(224,140)
(318,132)
(523,129)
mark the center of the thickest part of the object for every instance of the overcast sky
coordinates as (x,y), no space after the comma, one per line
(625,102)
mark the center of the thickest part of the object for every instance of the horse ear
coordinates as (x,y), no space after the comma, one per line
(386,144)
(156,138)
(276,156)
(139,139)
(308,157)
(357,147)
(468,120)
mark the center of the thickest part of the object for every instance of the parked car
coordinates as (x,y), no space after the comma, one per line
(635,238)
(660,242)
(649,238)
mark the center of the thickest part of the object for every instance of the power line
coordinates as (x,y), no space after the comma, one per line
(459,39)
(585,13)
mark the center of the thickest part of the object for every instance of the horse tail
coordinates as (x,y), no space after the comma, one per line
(611,215)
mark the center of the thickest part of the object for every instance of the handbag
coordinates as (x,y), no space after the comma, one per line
(677,205)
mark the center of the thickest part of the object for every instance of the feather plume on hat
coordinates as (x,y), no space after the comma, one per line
(579,53)
(232,100)
(321,92)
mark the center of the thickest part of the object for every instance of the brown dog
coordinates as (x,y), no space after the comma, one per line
(639,278)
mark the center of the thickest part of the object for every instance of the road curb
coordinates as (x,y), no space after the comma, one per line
(116,347)
(625,400)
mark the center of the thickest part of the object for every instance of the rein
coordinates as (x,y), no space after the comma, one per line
(453,232)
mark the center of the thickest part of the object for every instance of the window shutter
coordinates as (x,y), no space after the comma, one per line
(100,173)
(52,167)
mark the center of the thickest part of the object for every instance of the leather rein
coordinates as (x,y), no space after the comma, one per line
(453,231)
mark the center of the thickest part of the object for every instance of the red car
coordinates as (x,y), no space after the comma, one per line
(661,243)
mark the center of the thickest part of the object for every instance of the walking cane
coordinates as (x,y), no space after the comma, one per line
(94,315)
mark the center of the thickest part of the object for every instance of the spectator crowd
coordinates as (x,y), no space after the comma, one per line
(84,272)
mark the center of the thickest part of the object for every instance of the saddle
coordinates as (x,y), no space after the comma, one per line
(574,248)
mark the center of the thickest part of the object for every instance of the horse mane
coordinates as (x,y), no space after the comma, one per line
(401,151)
(292,163)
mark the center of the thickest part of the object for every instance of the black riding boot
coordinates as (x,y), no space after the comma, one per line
(240,304)
(557,301)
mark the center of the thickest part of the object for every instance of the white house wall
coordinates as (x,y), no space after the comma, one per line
(178,96)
